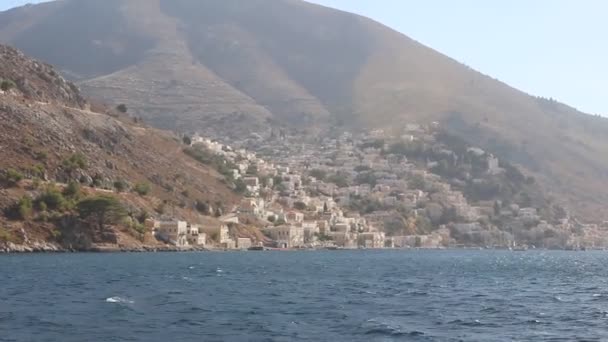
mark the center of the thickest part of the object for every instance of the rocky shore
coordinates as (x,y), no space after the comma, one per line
(43,247)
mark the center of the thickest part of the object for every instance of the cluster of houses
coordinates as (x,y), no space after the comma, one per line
(298,202)
(184,234)
(292,217)
(398,186)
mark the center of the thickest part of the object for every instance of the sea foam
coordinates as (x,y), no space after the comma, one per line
(119,300)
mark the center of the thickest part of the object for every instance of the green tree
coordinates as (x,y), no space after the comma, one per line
(252,170)
(366,178)
(339,179)
(187,140)
(101,211)
(299,205)
(239,186)
(416,182)
(318,174)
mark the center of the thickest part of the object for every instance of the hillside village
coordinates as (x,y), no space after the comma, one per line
(422,187)
(364,192)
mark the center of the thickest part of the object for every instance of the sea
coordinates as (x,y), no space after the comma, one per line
(363,295)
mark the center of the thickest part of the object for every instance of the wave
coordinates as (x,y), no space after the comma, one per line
(119,300)
(387,331)
(382,328)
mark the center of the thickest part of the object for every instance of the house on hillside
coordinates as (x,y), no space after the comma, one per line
(286,236)
(253,206)
(243,243)
(372,240)
(173,232)
(195,236)
(229,218)
(293,216)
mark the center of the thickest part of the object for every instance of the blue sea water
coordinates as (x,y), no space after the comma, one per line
(306,296)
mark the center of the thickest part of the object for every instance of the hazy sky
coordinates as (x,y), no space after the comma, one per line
(551,48)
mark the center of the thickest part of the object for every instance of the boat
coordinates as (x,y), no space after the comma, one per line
(256,248)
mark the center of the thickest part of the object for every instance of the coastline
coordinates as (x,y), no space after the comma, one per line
(49,248)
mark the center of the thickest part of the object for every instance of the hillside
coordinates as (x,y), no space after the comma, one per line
(55,150)
(232,67)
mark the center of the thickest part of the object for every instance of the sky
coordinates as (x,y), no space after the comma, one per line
(551,48)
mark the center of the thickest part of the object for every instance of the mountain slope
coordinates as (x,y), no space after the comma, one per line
(230,67)
(50,137)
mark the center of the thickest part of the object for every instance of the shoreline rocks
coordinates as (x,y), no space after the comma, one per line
(43,247)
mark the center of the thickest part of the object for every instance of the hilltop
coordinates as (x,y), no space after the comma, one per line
(233,67)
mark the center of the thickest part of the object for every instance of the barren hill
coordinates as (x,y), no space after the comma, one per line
(238,65)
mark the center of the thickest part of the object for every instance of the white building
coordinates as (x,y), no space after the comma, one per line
(173,232)
(195,236)
(372,240)
(243,243)
(286,236)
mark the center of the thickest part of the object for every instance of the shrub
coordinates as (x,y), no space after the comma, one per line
(187,140)
(6,85)
(252,170)
(36,182)
(143,216)
(339,180)
(161,208)
(25,207)
(72,190)
(278,180)
(37,170)
(56,234)
(51,199)
(318,174)
(13,176)
(239,186)
(142,188)
(120,185)
(299,205)
(6,236)
(40,155)
(122,108)
(362,168)
(75,161)
(378,143)
(202,207)
(323,237)
(97,180)
(366,178)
